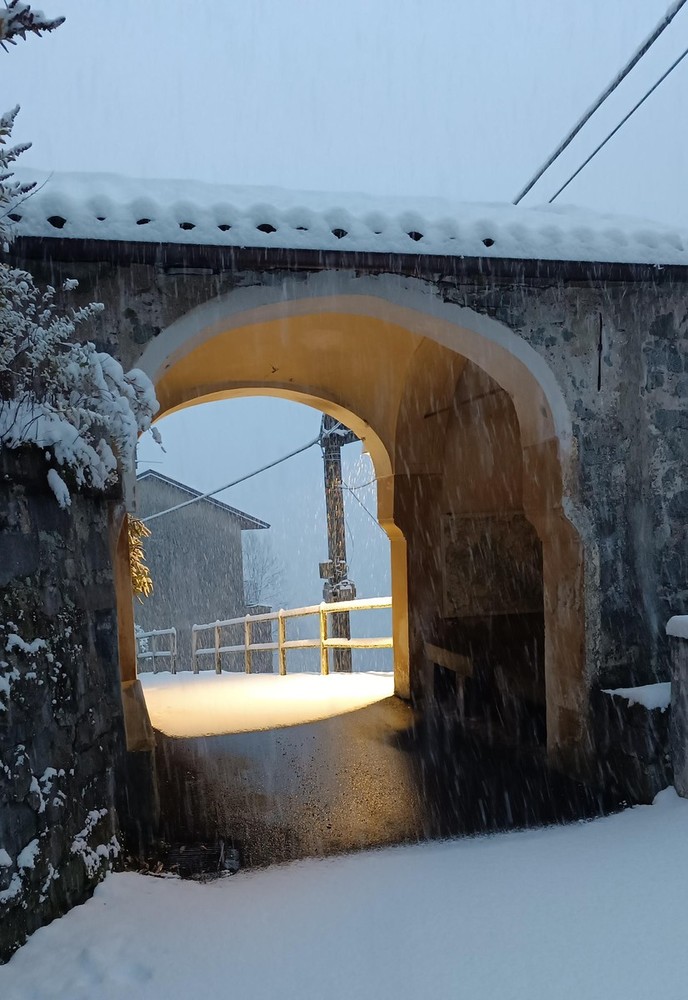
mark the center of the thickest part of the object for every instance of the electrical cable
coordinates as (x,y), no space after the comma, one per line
(362,485)
(620,125)
(347,529)
(211,493)
(371,516)
(671,13)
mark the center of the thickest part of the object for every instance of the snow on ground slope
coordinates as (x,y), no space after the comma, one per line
(210,704)
(592,911)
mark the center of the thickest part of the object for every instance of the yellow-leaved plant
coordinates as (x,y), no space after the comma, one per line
(141,580)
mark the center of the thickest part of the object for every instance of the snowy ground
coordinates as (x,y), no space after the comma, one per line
(210,704)
(592,911)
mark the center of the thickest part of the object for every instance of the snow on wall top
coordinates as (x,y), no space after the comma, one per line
(678,626)
(108,207)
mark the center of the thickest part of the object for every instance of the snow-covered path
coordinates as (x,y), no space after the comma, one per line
(593,911)
(210,704)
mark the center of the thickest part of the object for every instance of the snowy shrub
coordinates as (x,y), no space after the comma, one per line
(17,19)
(65,397)
(12,192)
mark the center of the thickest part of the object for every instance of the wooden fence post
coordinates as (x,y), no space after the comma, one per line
(218,661)
(324,659)
(247,643)
(281,639)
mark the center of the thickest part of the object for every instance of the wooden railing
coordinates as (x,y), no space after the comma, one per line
(153,653)
(282,645)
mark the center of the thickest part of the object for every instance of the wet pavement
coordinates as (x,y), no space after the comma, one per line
(380,775)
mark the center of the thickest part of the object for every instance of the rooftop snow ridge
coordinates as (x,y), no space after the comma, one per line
(109,207)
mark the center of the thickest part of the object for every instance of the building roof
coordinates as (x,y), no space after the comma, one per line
(248,521)
(109,207)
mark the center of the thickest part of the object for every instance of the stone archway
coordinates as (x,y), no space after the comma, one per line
(387,359)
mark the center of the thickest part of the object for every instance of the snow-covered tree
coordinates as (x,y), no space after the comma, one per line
(57,391)
(12,191)
(63,396)
(17,20)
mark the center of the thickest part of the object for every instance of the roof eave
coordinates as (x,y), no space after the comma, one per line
(247,521)
(216,259)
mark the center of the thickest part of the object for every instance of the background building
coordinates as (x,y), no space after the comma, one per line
(195,559)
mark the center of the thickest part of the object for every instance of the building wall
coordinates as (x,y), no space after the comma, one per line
(195,559)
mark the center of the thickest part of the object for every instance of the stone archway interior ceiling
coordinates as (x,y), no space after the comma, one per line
(401,366)
(316,306)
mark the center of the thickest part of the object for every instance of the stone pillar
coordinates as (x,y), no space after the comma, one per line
(400,587)
(677,630)
(415,506)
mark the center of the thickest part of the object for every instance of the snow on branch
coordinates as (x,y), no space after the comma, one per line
(17,19)
(57,392)
(11,191)
(63,396)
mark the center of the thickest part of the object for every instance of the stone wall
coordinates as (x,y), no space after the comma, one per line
(679,707)
(633,762)
(613,339)
(61,732)
(618,350)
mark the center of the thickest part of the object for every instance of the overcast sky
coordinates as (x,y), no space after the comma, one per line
(456,98)
(461,98)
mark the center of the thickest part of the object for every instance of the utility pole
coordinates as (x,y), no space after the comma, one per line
(335,572)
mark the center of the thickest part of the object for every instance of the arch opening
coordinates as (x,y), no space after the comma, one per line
(471,443)
(260,550)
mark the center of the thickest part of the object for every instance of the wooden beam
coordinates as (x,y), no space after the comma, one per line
(461,665)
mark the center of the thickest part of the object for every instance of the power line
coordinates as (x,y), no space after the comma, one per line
(362,485)
(347,528)
(371,516)
(635,58)
(211,493)
(621,123)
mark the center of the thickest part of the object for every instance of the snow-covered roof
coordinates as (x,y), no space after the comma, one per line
(108,207)
(247,521)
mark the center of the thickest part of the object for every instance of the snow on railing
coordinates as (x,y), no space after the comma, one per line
(143,653)
(282,645)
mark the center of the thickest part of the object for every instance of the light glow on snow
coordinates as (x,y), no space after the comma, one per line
(210,704)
